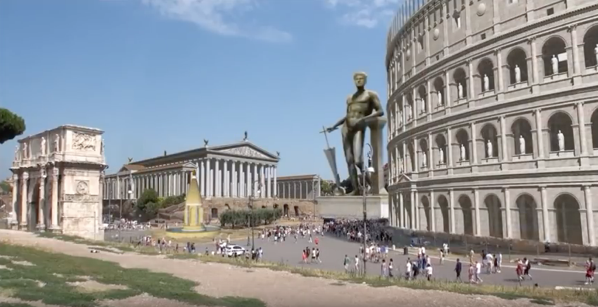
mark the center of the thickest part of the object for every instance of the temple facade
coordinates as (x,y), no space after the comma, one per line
(237,170)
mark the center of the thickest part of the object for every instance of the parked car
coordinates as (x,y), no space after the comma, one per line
(232,250)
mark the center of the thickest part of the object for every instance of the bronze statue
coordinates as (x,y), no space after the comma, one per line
(245,136)
(205,143)
(362,107)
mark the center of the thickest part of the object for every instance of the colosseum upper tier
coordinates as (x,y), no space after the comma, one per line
(493,118)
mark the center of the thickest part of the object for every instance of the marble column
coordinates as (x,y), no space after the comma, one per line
(413,208)
(202,173)
(582,128)
(234,178)
(545,217)
(401,210)
(264,188)
(539,133)
(587,189)
(209,180)
(54,199)
(476,202)
(41,202)
(15,200)
(226,180)
(452,209)
(275,186)
(255,177)
(269,177)
(24,204)
(217,179)
(432,212)
(249,183)
(503,138)
(508,213)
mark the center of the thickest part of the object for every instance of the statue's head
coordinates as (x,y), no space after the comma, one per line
(360,78)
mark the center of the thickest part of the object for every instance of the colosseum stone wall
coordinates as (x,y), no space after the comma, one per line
(493,118)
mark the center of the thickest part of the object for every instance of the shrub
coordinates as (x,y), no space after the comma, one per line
(247,218)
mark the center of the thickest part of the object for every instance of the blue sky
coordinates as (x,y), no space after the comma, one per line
(161,75)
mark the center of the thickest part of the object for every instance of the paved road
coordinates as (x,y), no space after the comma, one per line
(333,251)
(124,235)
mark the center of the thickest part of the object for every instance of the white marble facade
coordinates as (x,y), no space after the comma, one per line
(306,187)
(56,182)
(236,170)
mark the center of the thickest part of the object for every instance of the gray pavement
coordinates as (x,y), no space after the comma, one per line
(333,251)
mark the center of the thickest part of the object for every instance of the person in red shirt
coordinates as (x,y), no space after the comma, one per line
(590,269)
(316,241)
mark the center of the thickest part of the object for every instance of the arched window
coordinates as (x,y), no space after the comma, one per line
(423,104)
(441,145)
(439,89)
(410,107)
(554,54)
(425,158)
(521,129)
(463,141)
(517,61)
(561,132)
(489,135)
(460,79)
(486,72)
(590,47)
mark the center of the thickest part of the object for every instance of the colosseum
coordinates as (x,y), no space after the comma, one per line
(493,112)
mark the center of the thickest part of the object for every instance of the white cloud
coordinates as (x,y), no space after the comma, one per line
(219,17)
(365,13)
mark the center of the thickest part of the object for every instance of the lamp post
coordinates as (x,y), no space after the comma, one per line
(365,171)
(251,199)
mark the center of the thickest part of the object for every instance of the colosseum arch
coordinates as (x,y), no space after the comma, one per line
(489,133)
(594,120)
(422,96)
(467,210)
(521,127)
(562,122)
(486,68)
(517,58)
(460,77)
(463,139)
(528,217)
(444,211)
(428,219)
(411,110)
(590,43)
(423,146)
(407,212)
(557,48)
(439,88)
(568,219)
(494,215)
(441,144)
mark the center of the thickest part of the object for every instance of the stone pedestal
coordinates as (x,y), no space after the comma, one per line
(377,142)
(351,207)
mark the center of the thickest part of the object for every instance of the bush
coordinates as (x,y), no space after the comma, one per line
(247,218)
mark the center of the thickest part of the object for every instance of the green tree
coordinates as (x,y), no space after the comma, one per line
(148,196)
(11,125)
(4,187)
(326,188)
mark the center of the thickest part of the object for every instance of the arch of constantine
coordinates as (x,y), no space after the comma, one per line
(56,182)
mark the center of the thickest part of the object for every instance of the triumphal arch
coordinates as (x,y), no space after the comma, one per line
(57,182)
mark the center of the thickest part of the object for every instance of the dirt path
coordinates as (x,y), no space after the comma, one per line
(276,289)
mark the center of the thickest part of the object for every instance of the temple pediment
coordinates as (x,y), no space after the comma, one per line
(247,151)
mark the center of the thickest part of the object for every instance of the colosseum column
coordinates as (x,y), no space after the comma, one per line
(574,52)
(582,131)
(496,16)
(540,134)
(474,145)
(431,161)
(476,203)
(416,154)
(413,209)
(432,212)
(471,85)
(445,42)
(449,149)
(429,100)
(587,189)
(452,209)
(500,71)
(447,94)
(535,66)
(401,211)
(414,110)
(503,142)
(24,204)
(545,217)
(405,157)
(418,208)
(507,202)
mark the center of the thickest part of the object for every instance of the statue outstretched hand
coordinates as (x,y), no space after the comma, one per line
(330,129)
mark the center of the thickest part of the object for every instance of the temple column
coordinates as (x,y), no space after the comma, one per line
(264,188)
(54,200)
(256,178)
(41,203)
(217,179)
(269,177)
(202,173)
(209,179)
(242,178)
(234,176)
(23,220)
(15,200)
(249,183)
(275,186)
(226,180)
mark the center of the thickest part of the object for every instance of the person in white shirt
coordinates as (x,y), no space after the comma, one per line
(489,263)
(478,271)
(408,269)
(429,271)
(356,264)
(498,262)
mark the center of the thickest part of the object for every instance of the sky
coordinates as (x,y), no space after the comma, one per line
(160,75)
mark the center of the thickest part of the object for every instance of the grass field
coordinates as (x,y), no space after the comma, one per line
(31,274)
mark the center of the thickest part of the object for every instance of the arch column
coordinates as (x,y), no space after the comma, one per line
(545,217)
(401,211)
(15,201)
(24,205)
(432,212)
(582,130)
(507,201)
(587,190)
(54,199)
(476,203)
(41,202)
(413,206)
(452,209)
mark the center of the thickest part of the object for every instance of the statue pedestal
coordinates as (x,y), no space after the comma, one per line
(351,207)
(377,142)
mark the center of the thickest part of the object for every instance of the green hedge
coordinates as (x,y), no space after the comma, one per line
(244,218)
